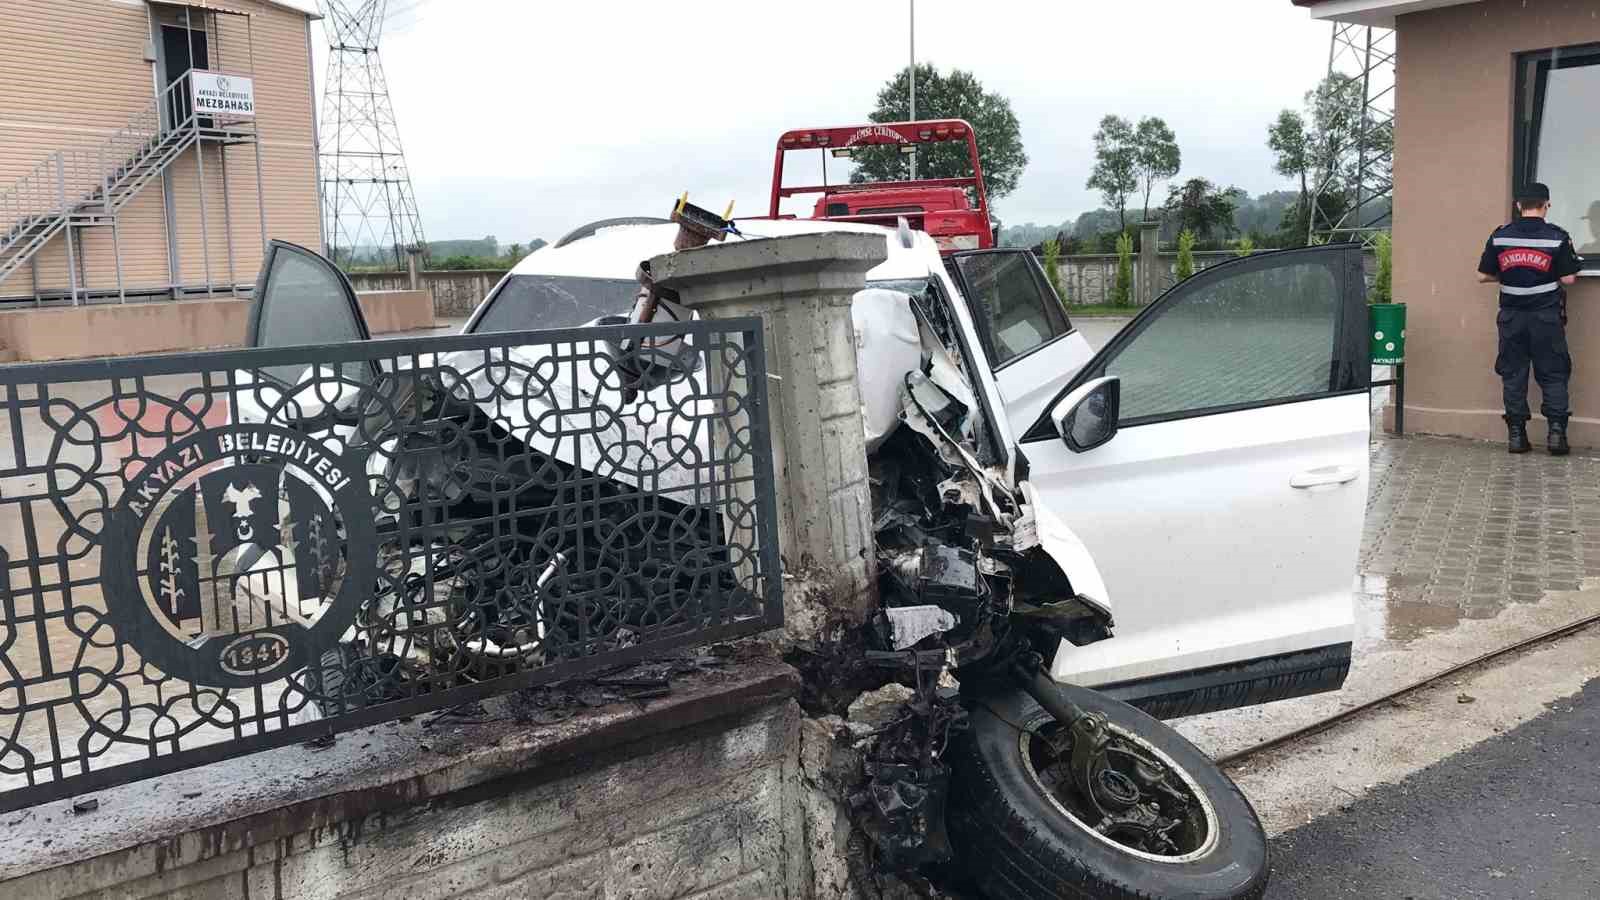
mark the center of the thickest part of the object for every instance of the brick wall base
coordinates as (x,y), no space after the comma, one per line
(699,796)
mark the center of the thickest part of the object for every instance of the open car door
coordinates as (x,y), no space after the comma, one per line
(302,299)
(1027,336)
(1213,456)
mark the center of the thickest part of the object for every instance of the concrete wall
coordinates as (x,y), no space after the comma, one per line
(455,293)
(697,796)
(1088,279)
(1453,162)
(123,330)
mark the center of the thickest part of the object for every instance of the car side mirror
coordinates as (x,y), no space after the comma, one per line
(1087,417)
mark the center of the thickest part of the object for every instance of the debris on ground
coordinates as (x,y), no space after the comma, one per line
(647,680)
(875,711)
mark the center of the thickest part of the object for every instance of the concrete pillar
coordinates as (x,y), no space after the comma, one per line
(801,288)
(1149,279)
(414,267)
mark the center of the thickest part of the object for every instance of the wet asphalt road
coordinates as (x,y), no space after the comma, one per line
(1097,330)
(1515,816)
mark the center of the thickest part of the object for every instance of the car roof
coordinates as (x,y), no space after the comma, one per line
(615,252)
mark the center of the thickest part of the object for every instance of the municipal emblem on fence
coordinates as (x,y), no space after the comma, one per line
(239,554)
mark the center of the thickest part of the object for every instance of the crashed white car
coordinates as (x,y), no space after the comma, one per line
(1200,481)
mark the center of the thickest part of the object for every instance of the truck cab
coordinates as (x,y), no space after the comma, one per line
(954,211)
(943,212)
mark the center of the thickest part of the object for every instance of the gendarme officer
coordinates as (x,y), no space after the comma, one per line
(1531,260)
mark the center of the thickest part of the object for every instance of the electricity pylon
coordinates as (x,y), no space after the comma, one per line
(368,204)
(1354,198)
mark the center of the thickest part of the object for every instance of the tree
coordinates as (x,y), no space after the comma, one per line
(1156,155)
(957,95)
(1382,282)
(1199,206)
(1316,147)
(1116,160)
(1052,266)
(1337,108)
(1291,144)
(1124,284)
(1261,215)
(1185,254)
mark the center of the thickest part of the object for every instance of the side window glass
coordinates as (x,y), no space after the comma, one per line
(1011,302)
(305,302)
(1261,335)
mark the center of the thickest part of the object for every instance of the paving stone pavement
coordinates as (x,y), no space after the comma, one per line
(1461,529)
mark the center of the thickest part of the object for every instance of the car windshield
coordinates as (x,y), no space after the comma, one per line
(529,302)
(913,286)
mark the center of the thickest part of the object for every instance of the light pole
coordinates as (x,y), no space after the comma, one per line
(913,82)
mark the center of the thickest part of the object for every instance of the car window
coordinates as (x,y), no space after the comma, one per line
(530,302)
(305,302)
(1012,303)
(1258,336)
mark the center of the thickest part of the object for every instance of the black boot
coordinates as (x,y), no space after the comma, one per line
(1558,438)
(1517,436)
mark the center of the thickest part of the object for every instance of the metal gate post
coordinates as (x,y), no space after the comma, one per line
(66,216)
(116,251)
(227,219)
(1400,399)
(205,220)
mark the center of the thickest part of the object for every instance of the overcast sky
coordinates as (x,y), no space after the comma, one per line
(524,119)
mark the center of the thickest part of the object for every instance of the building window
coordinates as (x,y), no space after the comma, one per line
(1557,131)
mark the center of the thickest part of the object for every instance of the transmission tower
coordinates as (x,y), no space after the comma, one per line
(1355,194)
(366,187)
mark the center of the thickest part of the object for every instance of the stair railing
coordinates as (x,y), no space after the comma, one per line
(145,133)
(36,196)
(67,179)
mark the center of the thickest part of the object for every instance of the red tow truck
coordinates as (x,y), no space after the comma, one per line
(954,211)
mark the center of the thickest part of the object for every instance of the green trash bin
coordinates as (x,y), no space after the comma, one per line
(1387,324)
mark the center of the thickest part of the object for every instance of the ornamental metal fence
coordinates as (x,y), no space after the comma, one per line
(210,554)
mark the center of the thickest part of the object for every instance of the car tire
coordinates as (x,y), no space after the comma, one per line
(1021,844)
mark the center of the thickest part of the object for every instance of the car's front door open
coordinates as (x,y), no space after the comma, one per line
(303,299)
(1030,342)
(1226,512)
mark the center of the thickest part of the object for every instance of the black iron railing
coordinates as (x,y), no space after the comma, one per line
(204,555)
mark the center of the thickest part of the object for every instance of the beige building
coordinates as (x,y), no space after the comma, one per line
(1489,93)
(148,150)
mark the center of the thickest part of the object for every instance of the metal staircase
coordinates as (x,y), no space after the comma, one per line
(86,187)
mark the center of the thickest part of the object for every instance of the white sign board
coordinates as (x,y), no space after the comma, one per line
(223,96)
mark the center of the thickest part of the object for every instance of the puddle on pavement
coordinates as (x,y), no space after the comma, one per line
(1391,609)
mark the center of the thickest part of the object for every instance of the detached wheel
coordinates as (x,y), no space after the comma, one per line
(1164,821)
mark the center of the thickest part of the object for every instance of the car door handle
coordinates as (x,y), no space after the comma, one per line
(1318,477)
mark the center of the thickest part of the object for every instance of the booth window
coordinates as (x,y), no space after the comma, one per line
(1558,129)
